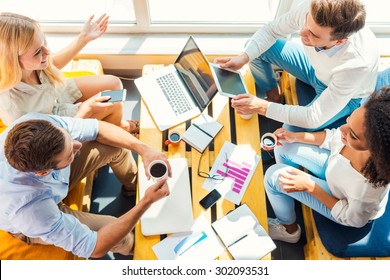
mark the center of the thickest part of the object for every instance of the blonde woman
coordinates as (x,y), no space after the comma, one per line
(30,80)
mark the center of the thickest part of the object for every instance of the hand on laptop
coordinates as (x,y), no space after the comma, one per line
(234,63)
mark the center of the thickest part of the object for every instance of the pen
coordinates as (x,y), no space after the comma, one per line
(205,132)
(238,240)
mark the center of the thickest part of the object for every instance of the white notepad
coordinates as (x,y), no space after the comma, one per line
(174,212)
(202,131)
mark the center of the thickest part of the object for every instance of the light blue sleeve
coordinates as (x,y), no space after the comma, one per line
(41,218)
(80,129)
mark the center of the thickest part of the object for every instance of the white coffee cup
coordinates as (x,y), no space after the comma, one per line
(268,141)
(158,170)
(246,117)
(174,138)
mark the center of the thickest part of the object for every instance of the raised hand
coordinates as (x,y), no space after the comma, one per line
(95,29)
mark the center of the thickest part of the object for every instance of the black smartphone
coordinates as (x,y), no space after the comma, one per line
(210,199)
(115,95)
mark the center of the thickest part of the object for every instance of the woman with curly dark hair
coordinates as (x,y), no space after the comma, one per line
(350,169)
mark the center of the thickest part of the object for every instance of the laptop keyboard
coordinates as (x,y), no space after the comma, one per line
(174,94)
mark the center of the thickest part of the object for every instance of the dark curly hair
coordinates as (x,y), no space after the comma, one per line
(377,123)
(33,145)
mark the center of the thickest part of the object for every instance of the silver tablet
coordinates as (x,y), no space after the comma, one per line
(229,82)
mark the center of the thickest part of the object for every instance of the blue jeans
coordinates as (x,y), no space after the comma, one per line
(292,58)
(294,155)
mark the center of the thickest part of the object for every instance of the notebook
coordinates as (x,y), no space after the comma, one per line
(202,131)
(243,235)
(172,213)
(180,91)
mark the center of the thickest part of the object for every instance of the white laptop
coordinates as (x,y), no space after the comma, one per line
(173,213)
(178,92)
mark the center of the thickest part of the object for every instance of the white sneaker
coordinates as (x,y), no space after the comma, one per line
(278,232)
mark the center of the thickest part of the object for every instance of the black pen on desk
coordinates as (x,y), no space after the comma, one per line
(238,240)
(205,132)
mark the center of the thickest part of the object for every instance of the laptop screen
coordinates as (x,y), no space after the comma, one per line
(195,72)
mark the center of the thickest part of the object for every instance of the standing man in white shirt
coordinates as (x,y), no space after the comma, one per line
(339,59)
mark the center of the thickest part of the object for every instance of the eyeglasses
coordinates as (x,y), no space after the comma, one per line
(217,177)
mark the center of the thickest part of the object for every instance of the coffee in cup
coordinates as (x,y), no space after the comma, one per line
(174,138)
(268,141)
(158,170)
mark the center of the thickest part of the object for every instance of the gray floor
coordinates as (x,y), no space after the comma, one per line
(107,198)
(106,194)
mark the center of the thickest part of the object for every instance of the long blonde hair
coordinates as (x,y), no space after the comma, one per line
(16,36)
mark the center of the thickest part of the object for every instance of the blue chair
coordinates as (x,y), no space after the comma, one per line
(383,79)
(372,240)
(307,94)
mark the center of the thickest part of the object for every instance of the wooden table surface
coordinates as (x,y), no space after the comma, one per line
(240,132)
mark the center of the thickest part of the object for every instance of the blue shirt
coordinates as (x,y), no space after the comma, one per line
(329,52)
(28,203)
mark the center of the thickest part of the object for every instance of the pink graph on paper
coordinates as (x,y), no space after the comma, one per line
(236,171)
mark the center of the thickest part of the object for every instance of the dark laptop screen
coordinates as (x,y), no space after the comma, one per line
(195,72)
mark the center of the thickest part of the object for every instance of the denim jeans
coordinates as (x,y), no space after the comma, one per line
(290,156)
(292,58)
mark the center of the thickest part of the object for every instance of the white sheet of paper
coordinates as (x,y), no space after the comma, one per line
(208,248)
(242,163)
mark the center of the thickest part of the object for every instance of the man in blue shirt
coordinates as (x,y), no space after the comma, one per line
(42,157)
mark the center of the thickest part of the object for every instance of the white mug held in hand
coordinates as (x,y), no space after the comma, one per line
(246,117)
(158,170)
(268,141)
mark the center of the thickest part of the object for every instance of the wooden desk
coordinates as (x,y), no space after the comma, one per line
(241,132)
